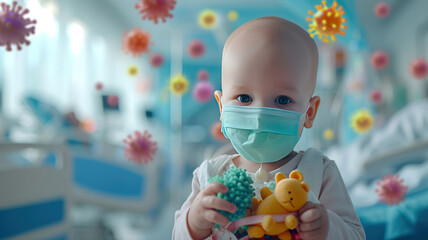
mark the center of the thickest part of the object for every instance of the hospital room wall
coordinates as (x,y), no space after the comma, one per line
(74,49)
(404,36)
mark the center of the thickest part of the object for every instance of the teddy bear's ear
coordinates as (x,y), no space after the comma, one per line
(296,174)
(279,176)
(305,186)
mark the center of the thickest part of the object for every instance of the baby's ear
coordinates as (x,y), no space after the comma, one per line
(279,176)
(305,186)
(217,95)
(312,111)
(296,174)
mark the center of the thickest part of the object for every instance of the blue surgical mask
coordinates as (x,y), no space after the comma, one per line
(261,134)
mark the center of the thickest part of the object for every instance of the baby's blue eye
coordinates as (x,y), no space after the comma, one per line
(282,100)
(244,98)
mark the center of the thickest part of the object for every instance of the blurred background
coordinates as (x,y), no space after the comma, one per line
(96,73)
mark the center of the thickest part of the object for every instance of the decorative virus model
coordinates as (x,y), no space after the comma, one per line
(233,16)
(136,42)
(327,21)
(376,96)
(240,191)
(207,19)
(203,91)
(112,100)
(154,9)
(419,68)
(156,60)
(140,148)
(179,84)
(99,86)
(203,75)
(362,121)
(391,190)
(382,10)
(196,48)
(89,125)
(216,131)
(14,28)
(328,134)
(133,70)
(379,60)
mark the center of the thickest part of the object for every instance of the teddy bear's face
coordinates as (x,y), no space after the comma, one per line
(291,193)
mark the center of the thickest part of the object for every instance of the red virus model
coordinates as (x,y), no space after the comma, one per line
(156,60)
(379,60)
(419,68)
(196,48)
(203,75)
(140,148)
(99,86)
(136,42)
(382,10)
(391,190)
(14,28)
(112,100)
(203,91)
(376,96)
(154,9)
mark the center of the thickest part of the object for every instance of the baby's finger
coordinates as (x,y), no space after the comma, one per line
(214,188)
(308,205)
(311,226)
(314,234)
(218,203)
(310,215)
(215,217)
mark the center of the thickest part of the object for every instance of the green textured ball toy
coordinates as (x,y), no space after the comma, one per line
(240,191)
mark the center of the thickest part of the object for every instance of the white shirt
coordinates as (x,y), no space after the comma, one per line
(343,220)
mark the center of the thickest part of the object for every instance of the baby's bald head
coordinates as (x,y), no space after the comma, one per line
(267,54)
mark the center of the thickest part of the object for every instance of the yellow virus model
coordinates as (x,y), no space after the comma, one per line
(233,15)
(133,70)
(327,21)
(179,84)
(362,121)
(207,19)
(328,134)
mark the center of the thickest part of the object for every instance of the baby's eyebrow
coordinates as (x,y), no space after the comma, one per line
(240,87)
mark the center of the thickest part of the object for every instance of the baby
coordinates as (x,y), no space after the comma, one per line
(269,74)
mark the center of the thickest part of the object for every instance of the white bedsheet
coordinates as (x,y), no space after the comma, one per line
(405,128)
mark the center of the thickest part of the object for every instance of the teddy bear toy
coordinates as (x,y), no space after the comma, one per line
(289,196)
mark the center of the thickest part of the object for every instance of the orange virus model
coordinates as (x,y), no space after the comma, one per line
(154,9)
(327,21)
(136,42)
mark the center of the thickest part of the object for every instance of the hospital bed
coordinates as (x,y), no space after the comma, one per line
(34,197)
(406,220)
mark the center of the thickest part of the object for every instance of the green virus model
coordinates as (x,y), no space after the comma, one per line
(240,191)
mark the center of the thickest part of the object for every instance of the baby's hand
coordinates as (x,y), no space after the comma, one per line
(313,222)
(202,214)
